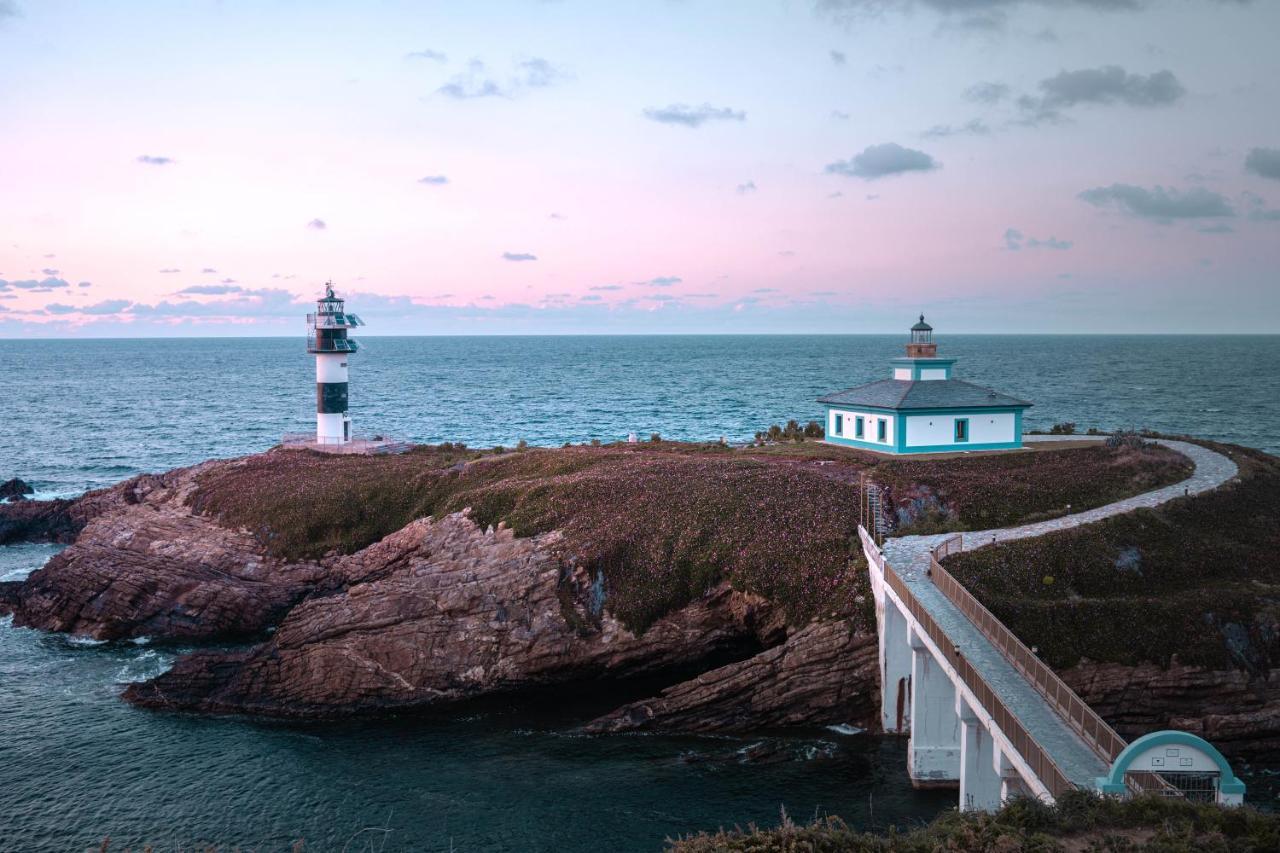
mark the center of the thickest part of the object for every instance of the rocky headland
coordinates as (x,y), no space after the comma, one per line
(730,578)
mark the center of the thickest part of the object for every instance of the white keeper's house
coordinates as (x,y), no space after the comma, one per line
(923,408)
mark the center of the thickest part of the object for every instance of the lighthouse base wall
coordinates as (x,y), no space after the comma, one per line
(333,428)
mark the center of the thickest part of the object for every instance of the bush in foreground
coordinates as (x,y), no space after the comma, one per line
(1080,821)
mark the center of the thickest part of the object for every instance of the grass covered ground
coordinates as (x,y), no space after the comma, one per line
(663,521)
(1198,578)
(952,492)
(1079,822)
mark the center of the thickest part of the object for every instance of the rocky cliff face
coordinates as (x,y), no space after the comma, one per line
(437,612)
(143,565)
(443,611)
(1236,711)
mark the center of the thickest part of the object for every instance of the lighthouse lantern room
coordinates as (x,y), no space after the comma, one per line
(327,339)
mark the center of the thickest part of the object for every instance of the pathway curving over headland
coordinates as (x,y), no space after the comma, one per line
(908,559)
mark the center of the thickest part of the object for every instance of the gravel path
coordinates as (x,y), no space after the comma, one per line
(909,556)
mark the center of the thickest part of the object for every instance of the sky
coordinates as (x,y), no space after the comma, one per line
(609,167)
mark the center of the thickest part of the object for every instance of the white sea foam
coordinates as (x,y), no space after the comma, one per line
(146,666)
(140,641)
(845,729)
(85,641)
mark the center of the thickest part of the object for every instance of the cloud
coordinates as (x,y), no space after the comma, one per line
(838,57)
(880,161)
(559,217)
(765,290)
(786,253)
(840,115)
(210,289)
(109,306)
(846,11)
(317,225)
(987,93)
(208,271)
(49,271)
(1109,84)
(1263,162)
(43,285)
(743,189)
(526,74)
(170,270)
(434,180)
(433,55)
(1258,211)
(1161,204)
(662,281)
(823,293)
(608,287)
(1015,240)
(8,9)
(85,284)
(518,256)
(151,160)
(690,116)
(974,127)
(589,298)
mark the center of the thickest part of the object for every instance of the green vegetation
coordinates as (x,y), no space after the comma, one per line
(663,521)
(1078,822)
(955,492)
(1197,578)
(662,527)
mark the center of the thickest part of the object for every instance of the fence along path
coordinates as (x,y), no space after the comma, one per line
(1056,733)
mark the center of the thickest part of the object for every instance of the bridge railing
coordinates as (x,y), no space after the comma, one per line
(1092,729)
(1036,757)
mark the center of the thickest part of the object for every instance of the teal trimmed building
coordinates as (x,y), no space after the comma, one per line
(923,408)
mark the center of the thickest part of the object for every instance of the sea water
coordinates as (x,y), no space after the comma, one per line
(78,765)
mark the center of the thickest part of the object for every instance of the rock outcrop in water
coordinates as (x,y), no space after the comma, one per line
(437,612)
(142,565)
(444,611)
(448,610)
(15,490)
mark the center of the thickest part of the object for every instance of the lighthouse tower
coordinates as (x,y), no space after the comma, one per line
(327,338)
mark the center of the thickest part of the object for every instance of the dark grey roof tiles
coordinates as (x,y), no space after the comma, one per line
(925,394)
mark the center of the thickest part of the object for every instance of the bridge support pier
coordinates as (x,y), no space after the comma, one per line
(895,672)
(981,785)
(933,753)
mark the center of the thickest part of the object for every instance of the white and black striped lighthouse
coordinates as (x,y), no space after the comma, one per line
(327,338)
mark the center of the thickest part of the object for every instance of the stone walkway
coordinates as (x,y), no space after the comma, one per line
(909,557)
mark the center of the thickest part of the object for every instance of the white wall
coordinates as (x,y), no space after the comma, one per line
(929,430)
(329,428)
(869,434)
(902,373)
(331,367)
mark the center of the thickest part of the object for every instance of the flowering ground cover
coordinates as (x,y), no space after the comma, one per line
(979,491)
(660,527)
(1198,578)
(661,521)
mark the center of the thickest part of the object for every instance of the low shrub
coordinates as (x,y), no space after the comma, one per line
(1197,578)
(1078,821)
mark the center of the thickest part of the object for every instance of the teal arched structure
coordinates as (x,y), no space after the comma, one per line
(1173,752)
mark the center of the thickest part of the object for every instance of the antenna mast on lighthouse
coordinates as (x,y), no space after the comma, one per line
(327,339)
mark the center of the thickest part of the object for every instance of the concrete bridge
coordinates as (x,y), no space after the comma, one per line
(983,713)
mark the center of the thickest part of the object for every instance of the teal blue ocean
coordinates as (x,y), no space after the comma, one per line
(78,765)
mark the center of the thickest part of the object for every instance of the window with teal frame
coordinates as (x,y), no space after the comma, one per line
(859,427)
(962,429)
(839,424)
(881,426)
